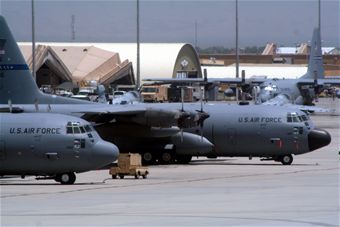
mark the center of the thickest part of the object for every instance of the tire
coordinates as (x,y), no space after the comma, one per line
(136,176)
(286,159)
(114,176)
(148,158)
(183,159)
(121,176)
(166,157)
(66,178)
(144,176)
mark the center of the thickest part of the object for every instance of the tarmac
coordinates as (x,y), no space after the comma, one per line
(207,192)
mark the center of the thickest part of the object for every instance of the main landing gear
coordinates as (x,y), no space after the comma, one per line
(65,178)
(164,157)
(286,159)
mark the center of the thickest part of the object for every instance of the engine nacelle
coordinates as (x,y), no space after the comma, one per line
(191,144)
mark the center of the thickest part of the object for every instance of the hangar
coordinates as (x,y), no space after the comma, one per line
(57,64)
(161,60)
(110,63)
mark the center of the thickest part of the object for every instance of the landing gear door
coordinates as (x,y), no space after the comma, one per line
(2,150)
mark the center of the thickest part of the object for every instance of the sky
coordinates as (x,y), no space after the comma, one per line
(285,22)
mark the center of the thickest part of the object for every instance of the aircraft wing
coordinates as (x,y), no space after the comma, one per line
(302,82)
(226,80)
(282,100)
(175,80)
(143,115)
(130,113)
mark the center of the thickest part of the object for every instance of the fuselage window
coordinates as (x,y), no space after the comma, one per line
(76,130)
(82,130)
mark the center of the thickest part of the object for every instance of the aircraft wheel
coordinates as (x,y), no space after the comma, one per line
(286,159)
(148,158)
(66,178)
(166,157)
(183,159)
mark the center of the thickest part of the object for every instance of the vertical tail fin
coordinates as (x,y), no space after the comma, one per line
(315,64)
(16,81)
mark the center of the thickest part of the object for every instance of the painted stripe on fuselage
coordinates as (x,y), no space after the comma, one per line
(6,67)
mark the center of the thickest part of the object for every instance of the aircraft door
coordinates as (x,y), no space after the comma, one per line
(78,139)
(78,145)
(297,134)
(2,150)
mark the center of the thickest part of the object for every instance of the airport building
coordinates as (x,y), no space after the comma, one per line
(110,63)
(273,62)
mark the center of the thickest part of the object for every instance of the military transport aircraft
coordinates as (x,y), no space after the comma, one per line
(54,146)
(278,92)
(299,92)
(253,131)
(150,127)
(302,91)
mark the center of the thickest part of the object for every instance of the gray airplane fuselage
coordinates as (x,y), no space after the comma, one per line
(259,131)
(39,144)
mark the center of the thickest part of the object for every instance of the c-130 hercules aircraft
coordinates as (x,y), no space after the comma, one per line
(54,146)
(250,131)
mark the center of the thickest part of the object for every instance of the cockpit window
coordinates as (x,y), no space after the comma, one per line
(76,128)
(293,117)
(304,117)
(87,128)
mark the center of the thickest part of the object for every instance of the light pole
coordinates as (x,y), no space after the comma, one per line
(237,51)
(138,51)
(33,43)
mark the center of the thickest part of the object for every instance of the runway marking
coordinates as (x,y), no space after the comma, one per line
(148,183)
(179,215)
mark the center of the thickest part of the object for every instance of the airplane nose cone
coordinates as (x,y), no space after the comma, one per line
(104,153)
(318,138)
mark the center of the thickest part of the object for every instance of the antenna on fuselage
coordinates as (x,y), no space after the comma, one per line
(10,105)
(36,105)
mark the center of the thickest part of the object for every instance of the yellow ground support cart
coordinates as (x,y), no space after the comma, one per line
(129,165)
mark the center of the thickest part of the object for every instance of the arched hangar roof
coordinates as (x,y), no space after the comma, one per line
(160,60)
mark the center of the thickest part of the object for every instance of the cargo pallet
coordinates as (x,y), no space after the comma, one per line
(129,165)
